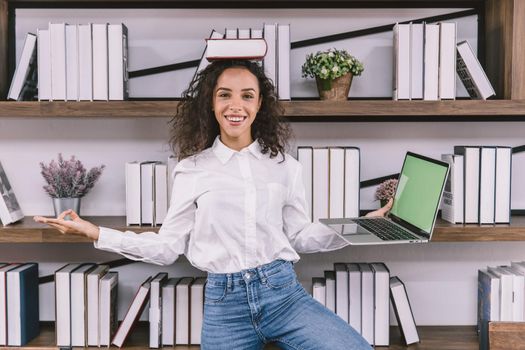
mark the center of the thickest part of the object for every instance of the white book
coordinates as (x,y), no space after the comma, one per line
(108,294)
(239,49)
(243,33)
(100,62)
(447,61)
(452,201)
(133,193)
(505,293)
(518,289)
(79,304)
(319,289)
(196,309)
(63,304)
(256,33)
(118,62)
(283,61)
(305,157)
(10,210)
(487,185)
(320,184)
(147,177)
(132,315)
(168,312)
(204,62)
(172,163)
(381,304)
(471,168)
(471,73)
(85,62)
(270,59)
(401,62)
(182,311)
(57,40)
(367,303)
(329,277)
(341,291)
(231,33)
(23,68)
(336,182)
(93,283)
(44,65)
(403,311)
(3,301)
(503,185)
(417,47)
(352,182)
(354,296)
(155,309)
(72,63)
(161,192)
(431,66)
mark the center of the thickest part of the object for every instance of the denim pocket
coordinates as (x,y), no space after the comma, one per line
(214,293)
(281,278)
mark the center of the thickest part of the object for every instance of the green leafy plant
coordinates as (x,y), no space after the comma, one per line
(331,64)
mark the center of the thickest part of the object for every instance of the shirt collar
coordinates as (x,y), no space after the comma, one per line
(224,153)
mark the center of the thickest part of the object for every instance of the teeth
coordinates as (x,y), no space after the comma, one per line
(235,119)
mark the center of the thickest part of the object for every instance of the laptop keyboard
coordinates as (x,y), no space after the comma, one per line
(386,230)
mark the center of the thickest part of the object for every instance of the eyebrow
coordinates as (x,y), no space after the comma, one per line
(247,89)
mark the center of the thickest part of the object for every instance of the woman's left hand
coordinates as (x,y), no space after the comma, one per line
(382,211)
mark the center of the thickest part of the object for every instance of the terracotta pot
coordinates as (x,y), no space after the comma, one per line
(334,90)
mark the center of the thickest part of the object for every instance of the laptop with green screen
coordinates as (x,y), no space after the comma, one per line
(413,214)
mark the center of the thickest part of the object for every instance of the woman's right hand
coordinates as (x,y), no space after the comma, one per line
(76,225)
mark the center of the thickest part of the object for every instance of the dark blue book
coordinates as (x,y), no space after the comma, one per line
(22,304)
(488,305)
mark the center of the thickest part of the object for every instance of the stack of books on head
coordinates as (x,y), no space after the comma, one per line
(501,297)
(175,312)
(148,191)
(478,188)
(74,62)
(426,59)
(359,294)
(19,317)
(331,178)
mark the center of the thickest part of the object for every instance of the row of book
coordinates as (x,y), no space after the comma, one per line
(359,294)
(73,62)
(19,310)
(426,59)
(148,191)
(501,297)
(478,188)
(331,178)
(270,44)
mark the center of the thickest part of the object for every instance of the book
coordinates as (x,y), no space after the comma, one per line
(270,59)
(403,311)
(447,60)
(238,49)
(231,33)
(161,193)
(22,79)
(93,288)
(57,42)
(72,62)
(336,182)
(431,65)
(488,305)
(132,315)
(367,303)
(283,61)
(401,33)
(305,158)
(10,210)
(63,304)
(118,81)
(471,168)
(354,296)
(487,184)
(341,291)
(319,289)
(381,304)
(352,184)
(22,304)
(518,287)
(244,33)
(147,188)
(471,73)
(79,304)
(43,65)
(182,311)
(108,300)
(168,312)
(133,193)
(85,62)
(320,180)
(3,300)
(155,309)
(196,309)
(100,62)
(503,185)
(452,201)
(329,277)
(505,292)
(417,49)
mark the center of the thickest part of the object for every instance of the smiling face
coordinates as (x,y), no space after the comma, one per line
(236,101)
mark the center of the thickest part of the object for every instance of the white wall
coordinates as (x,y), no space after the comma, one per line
(440,277)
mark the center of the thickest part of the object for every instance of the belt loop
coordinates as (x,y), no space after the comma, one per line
(229,283)
(261,274)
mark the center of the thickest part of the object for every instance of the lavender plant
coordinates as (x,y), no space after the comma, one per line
(68,178)
(386,189)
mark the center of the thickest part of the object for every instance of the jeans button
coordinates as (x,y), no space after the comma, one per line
(247,275)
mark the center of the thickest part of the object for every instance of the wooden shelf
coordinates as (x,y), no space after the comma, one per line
(295,111)
(28,231)
(432,338)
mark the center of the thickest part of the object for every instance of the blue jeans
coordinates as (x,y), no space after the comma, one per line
(248,309)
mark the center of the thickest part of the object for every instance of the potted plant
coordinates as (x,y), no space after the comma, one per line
(386,190)
(333,71)
(68,181)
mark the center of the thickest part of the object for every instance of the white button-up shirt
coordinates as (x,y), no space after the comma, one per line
(230,210)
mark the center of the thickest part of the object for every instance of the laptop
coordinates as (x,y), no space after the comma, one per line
(413,214)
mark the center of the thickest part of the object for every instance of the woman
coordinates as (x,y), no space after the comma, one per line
(238,211)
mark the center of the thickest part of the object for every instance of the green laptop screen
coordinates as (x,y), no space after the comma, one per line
(418,192)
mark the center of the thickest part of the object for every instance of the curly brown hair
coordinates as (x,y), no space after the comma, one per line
(194,127)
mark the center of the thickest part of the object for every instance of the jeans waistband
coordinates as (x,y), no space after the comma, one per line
(253,274)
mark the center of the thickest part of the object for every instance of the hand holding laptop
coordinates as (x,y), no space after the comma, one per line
(382,211)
